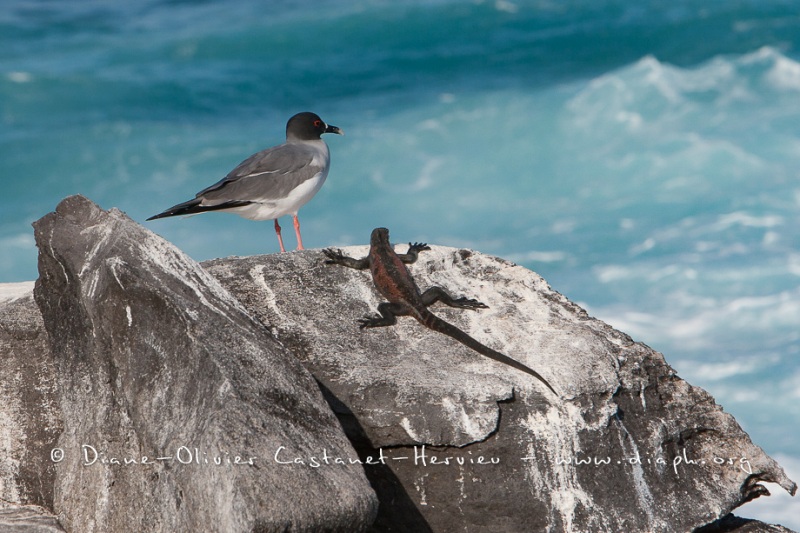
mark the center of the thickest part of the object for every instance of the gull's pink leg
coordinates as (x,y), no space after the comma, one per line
(297,231)
(278,233)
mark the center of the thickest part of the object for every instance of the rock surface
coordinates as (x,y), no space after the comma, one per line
(27,519)
(651,441)
(734,524)
(144,352)
(154,358)
(30,416)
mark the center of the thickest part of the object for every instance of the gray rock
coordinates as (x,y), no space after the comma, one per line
(30,417)
(27,519)
(155,359)
(735,524)
(660,454)
(152,354)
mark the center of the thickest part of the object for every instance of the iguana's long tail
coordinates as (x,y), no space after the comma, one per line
(435,323)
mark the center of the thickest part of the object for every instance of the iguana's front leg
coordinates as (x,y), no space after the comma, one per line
(413,252)
(336,257)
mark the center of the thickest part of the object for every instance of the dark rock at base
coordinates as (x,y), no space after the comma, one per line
(735,524)
(30,415)
(154,358)
(651,441)
(27,519)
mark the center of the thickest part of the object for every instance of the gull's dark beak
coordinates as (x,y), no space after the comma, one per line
(333,129)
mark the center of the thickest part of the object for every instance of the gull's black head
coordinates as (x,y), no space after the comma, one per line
(308,126)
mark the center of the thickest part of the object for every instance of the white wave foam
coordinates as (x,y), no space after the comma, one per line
(19,77)
(20,240)
(745,219)
(652,93)
(718,371)
(693,322)
(10,292)
(538,257)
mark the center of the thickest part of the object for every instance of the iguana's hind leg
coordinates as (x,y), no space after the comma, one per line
(438,294)
(388,316)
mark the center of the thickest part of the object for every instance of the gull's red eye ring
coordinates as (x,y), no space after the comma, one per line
(317,123)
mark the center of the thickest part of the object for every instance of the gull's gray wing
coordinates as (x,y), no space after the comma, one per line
(267,175)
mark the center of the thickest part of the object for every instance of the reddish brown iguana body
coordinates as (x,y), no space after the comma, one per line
(393,280)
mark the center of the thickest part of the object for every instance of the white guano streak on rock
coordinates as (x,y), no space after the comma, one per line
(565,489)
(474,426)
(643,495)
(93,280)
(114,264)
(462,489)
(105,232)
(53,255)
(405,423)
(419,484)
(167,257)
(259,278)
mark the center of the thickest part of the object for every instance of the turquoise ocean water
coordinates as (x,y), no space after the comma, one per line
(643,156)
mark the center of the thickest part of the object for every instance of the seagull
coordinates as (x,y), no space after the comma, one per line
(272,183)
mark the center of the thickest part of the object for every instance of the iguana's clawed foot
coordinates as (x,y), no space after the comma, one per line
(468,303)
(374,321)
(335,257)
(418,247)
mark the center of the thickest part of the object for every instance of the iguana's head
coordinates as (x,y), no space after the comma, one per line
(379,236)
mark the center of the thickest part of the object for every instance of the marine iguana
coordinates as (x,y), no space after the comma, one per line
(393,280)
